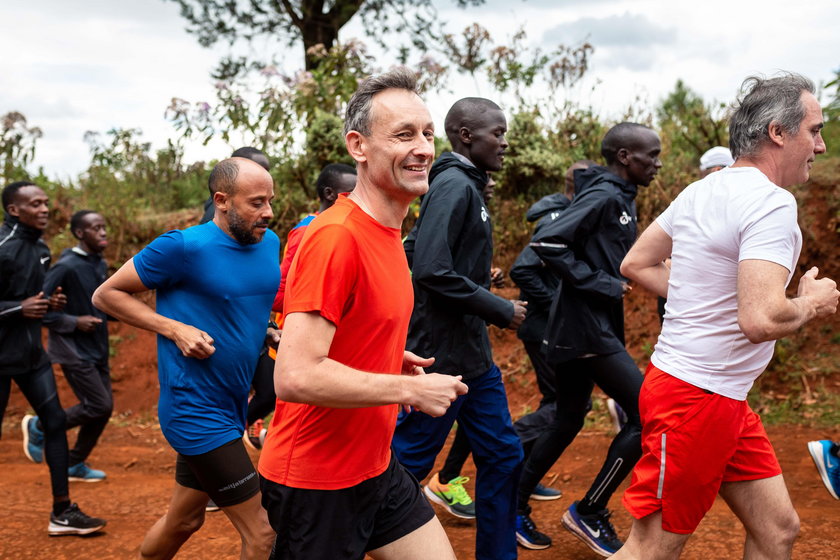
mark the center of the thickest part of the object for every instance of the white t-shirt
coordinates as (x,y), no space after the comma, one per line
(729,216)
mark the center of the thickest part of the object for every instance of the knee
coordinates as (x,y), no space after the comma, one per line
(786,528)
(53,420)
(261,541)
(188,525)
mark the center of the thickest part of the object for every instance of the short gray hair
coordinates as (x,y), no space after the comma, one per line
(357,116)
(763,101)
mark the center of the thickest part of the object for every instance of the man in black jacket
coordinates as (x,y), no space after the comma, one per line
(450,249)
(24,259)
(79,338)
(584,245)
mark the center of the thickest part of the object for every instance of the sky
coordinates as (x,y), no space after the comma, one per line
(92,65)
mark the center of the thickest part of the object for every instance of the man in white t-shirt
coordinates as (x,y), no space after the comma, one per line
(734,242)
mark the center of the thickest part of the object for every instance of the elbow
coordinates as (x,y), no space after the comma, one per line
(755,329)
(628,268)
(98,300)
(288,384)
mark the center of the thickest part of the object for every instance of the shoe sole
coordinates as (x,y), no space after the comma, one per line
(80,479)
(544,498)
(816,451)
(570,525)
(525,543)
(24,427)
(440,501)
(62,531)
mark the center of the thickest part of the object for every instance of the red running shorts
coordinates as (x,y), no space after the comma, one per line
(693,440)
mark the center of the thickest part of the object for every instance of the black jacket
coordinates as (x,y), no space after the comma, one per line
(585,245)
(24,260)
(78,274)
(537,282)
(450,250)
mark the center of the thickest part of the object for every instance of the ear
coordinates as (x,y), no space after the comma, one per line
(465,135)
(776,133)
(77,233)
(330,194)
(220,201)
(12,209)
(623,156)
(357,146)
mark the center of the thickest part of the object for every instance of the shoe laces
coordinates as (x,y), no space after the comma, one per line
(459,493)
(602,521)
(528,524)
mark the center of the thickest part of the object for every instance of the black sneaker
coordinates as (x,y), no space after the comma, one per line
(527,534)
(595,530)
(73,521)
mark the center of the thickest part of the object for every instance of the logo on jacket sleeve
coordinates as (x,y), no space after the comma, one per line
(625,218)
(483,214)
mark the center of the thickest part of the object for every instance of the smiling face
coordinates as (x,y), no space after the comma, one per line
(642,158)
(485,140)
(398,153)
(800,149)
(92,233)
(31,207)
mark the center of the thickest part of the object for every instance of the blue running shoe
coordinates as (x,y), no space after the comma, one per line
(33,439)
(617,415)
(827,464)
(594,530)
(83,473)
(545,493)
(527,534)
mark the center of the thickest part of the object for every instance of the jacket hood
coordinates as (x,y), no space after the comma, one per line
(24,231)
(546,204)
(448,160)
(585,178)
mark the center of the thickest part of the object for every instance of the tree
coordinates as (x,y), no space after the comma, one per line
(17,144)
(310,22)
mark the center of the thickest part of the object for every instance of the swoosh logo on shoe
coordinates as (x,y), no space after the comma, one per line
(60,522)
(595,534)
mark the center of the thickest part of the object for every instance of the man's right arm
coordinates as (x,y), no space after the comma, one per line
(764,311)
(554,241)
(433,263)
(304,373)
(115,298)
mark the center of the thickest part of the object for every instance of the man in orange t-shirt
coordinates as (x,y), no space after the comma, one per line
(331,486)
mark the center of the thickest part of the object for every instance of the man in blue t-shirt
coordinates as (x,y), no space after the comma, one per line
(215,284)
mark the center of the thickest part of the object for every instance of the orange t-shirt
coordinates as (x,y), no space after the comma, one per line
(352,270)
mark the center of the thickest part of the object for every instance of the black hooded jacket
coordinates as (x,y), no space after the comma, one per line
(24,260)
(78,274)
(450,251)
(585,245)
(537,282)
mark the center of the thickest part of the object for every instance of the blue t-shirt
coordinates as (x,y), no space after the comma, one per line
(206,279)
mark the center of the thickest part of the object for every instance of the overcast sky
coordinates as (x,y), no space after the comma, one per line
(74,66)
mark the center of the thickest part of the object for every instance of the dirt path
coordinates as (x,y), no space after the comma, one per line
(139,466)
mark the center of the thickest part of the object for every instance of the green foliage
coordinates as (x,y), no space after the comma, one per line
(17,146)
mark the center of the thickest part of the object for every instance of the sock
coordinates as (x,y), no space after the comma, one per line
(59,507)
(584,508)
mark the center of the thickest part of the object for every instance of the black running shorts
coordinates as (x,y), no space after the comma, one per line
(344,524)
(225,473)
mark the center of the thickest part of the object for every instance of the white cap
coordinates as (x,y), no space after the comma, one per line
(716,157)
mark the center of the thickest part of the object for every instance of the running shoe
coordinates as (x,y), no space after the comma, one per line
(211,506)
(595,530)
(253,435)
(619,417)
(33,439)
(545,493)
(827,464)
(73,521)
(83,473)
(452,496)
(527,535)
